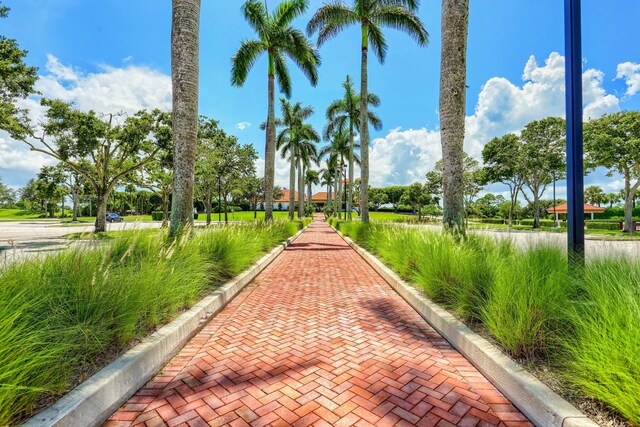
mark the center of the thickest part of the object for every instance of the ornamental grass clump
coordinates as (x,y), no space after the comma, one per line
(64,316)
(526,306)
(602,352)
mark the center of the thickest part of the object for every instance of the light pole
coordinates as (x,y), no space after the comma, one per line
(575,162)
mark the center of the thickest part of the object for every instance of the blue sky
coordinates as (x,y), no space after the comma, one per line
(115,54)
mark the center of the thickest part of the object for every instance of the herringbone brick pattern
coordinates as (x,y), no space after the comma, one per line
(318,339)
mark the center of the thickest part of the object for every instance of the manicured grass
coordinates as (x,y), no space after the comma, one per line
(17,214)
(245,216)
(584,322)
(64,316)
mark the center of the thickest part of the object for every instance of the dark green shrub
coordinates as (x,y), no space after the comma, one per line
(603,225)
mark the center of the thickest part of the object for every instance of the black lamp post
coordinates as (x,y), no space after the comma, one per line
(575,161)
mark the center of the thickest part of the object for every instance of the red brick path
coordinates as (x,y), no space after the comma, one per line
(318,339)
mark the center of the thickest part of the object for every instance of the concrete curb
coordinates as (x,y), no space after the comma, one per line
(537,401)
(92,402)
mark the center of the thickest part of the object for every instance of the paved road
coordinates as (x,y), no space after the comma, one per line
(318,339)
(37,238)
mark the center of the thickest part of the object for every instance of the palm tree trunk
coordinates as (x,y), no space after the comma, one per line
(364,128)
(300,189)
(453,80)
(350,185)
(292,187)
(270,148)
(185,77)
(309,195)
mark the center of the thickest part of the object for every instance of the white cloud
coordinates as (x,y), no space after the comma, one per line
(281,177)
(630,72)
(403,157)
(243,125)
(127,89)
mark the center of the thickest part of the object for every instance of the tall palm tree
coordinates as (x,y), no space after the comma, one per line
(371,15)
(312,178)
(338,150)
(185,28)
(293,116)
(306,139)
(346,112)
(327,176)
(453,80)
(279,40)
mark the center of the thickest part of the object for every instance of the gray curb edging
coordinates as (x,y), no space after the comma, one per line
(537,401)
(93,401)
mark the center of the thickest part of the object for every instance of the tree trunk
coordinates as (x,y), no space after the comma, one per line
(309,195)
(75,200)
(628,205)
(226,210)
(350,185)
(300,189)
(453,80)
(255,208)
(292,187)
(536,209)
(165,209)
(339,191)
(364,128)
(185,30)
(207,207)
(101,214)
(270,150)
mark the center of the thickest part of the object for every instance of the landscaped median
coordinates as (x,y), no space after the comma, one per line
(578,329)
(65,316)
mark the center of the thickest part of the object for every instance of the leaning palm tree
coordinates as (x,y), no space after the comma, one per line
(453,80)
(371,15)
(185,27)
(278,39)
(293,116)
(346,112)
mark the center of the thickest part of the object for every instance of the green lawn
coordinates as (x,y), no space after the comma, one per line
(18,214)
(243,216)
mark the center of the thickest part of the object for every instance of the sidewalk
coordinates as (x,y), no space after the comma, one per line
(318,338)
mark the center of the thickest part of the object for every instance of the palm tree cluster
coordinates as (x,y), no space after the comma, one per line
(276,37)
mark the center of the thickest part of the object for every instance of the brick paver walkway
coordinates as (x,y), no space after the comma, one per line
(318,339)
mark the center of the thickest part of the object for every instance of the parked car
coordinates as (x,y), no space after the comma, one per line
(114,217)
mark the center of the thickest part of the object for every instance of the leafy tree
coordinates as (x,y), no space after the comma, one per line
(50,189)
(502,159)
(594,195)
(344,113)
(278,39)
(506,208)
(233,163)
(209,137)
(157,175)
(371,16)
(100,148)
(185,45)
(487,206)
(17,80)
(378,197)
(473,178)
(394,194)
(417,195)
(74,183)
(7,196)
(613,141)
(453,90)
(543,159)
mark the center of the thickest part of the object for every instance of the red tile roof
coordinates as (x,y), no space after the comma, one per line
(562,209)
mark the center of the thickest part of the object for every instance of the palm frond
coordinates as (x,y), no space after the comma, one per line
(244,59)
(256,14)
(378,42)
(287,11)
(373,99)
(330,20)
(374,120)
(403,19)
(412,5)
(282,74)
(298,48)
